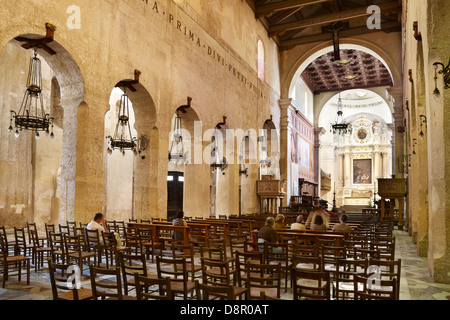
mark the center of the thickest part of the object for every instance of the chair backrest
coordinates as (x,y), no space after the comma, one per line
(64,229)
(276,252)
(49,227)
(306,249)
(112,288)
(60,280)
(263,277)
(31,226)
(145,288)
(217,253)
(19,234)
(307,262)
(367,288)
(311,285)
(34,238)
(215,272)
(174,268)
(214,292)
(132,264)
(387,270)
(92,239)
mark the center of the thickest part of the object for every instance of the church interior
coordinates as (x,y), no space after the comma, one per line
(234,113)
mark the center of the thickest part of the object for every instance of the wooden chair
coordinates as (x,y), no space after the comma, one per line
(12,261)
(311,285)
(11,245)
(49,228)
(39,250)
(347,269)
(106,284)
(242,258)
(212,292)
(330,256)
(145,288)
(176,269)
(263,277)
(187,252)
(237,243)
(388,270)
(263,296)
(219,273)
(94,244)
(32,226)
(59,279)
(57,247)
(278,253)
(22,245)
(131,265)
(111,249)
(145,221)
(74,249)
(132,240)
(145,238)
(365,289)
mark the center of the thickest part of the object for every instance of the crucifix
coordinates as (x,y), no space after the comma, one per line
(335,28)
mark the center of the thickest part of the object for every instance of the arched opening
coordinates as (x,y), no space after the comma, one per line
(126,191)
(182,169)
(38,176)
(119,165)
(356,159)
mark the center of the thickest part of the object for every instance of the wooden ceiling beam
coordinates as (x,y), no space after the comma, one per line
(267,9)
(330,18)
(386,27)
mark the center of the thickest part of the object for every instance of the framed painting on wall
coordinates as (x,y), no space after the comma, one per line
(304,154)
(362,171)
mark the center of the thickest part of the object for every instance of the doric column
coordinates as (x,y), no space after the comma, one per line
(317,146)
(396,96)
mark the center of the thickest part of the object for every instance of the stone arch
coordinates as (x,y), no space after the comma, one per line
(69,84)
(352,43)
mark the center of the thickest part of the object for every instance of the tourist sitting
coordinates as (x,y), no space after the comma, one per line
(268,233)
(179,221)
(279,222)
(318,224)
(343,226)
(99,224)
(315,212)
(298,225)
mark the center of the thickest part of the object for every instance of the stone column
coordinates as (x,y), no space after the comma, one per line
(317,146)
(396,96)
(285,147)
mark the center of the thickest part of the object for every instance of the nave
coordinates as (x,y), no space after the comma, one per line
(415,282)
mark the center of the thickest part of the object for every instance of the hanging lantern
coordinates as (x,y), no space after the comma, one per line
(32,115)
(176,152)
(123,139)
(339,126)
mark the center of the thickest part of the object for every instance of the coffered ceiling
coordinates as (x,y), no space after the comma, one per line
(356,69)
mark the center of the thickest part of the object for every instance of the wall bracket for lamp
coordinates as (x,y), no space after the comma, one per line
(41,43)
(130,83)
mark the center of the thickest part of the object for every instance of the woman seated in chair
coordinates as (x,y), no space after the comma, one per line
(268,233)
(318,224)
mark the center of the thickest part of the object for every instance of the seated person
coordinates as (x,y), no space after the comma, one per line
(279,222)
(179,221)
(268,233)
(318,224)
(298,225)
(343,226)
(99,224)
(312,216)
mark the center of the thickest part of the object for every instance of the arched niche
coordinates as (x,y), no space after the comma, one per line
(36,197)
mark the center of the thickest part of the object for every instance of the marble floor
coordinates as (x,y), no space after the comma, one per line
(416,283)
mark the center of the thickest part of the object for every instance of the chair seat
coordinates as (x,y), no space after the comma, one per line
(83,294)
(178,286)
(270,292)
(123,298)
(84,254)
(13,259)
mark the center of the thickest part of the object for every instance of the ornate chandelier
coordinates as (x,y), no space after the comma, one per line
(32,115)
(176,152)
(123,139)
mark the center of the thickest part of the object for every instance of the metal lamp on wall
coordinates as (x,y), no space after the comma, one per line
(446,72)
(32,115)
(217,163)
